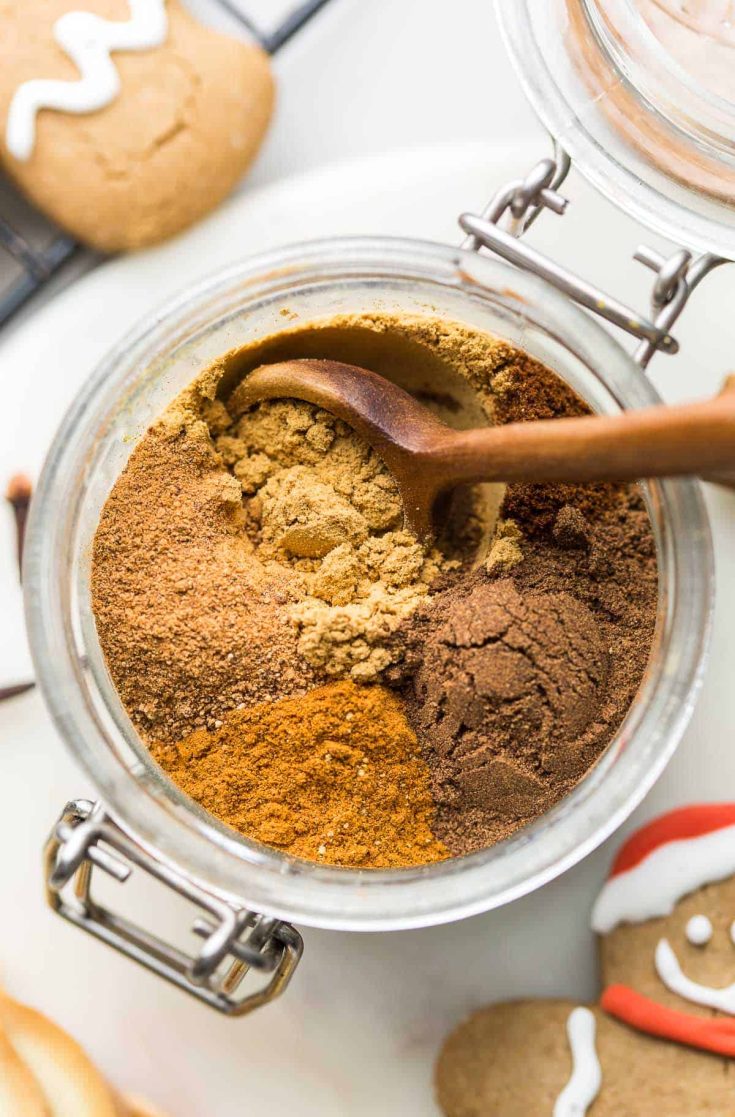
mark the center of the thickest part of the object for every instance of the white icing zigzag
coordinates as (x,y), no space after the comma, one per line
(88,40)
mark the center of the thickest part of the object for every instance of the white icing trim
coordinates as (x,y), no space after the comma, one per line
(674,978)
(655,886)
(699,930)
(88,40)
(586,1079)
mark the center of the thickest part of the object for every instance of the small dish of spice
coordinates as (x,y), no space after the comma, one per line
(316,678)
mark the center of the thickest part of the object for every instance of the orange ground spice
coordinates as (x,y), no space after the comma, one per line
(335,776)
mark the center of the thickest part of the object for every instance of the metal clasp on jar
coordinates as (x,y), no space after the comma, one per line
(521,201)
(235,939)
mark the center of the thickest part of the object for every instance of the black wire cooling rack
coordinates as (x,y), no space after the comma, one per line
(32,249)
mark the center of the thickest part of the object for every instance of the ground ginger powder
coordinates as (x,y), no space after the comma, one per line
(335,776)
(322,510)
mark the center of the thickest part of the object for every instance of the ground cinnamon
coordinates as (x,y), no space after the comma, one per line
(335,776)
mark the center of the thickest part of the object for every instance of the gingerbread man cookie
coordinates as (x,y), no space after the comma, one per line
(126,120)
(661,1040)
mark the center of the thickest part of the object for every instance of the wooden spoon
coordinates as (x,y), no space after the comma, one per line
(427,458)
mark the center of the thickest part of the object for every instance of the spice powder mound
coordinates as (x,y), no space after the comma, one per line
(336,776)
(323,512)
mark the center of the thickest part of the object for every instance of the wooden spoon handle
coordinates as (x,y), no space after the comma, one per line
(694,439)
(727,479)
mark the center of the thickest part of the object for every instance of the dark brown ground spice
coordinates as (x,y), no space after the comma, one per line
(523,676)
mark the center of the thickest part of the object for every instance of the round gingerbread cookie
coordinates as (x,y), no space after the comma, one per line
(126,120)
(516,1060)
(557,1059)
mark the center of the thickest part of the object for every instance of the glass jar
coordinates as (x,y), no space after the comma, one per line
(147,821)
(642,96)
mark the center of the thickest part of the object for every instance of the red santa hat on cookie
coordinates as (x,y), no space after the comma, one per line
(665,861)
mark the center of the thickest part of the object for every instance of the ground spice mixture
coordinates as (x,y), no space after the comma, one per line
(336,776)
(253,586)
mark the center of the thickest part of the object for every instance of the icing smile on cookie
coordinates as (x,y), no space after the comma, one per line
(647,1015)
(674,978)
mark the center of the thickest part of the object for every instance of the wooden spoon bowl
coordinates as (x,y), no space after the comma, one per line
(428,458)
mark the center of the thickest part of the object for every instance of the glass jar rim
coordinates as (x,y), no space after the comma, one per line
(324,896)
(664,95)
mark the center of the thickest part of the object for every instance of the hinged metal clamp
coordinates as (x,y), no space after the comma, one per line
(235,940)
(520,202)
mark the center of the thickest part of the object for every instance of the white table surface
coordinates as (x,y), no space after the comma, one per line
(357,1031)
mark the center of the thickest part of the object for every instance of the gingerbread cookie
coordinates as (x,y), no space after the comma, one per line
(126,120)
(661,1041)
(45,1073)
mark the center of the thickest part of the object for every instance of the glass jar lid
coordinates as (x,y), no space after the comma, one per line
(641,93)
